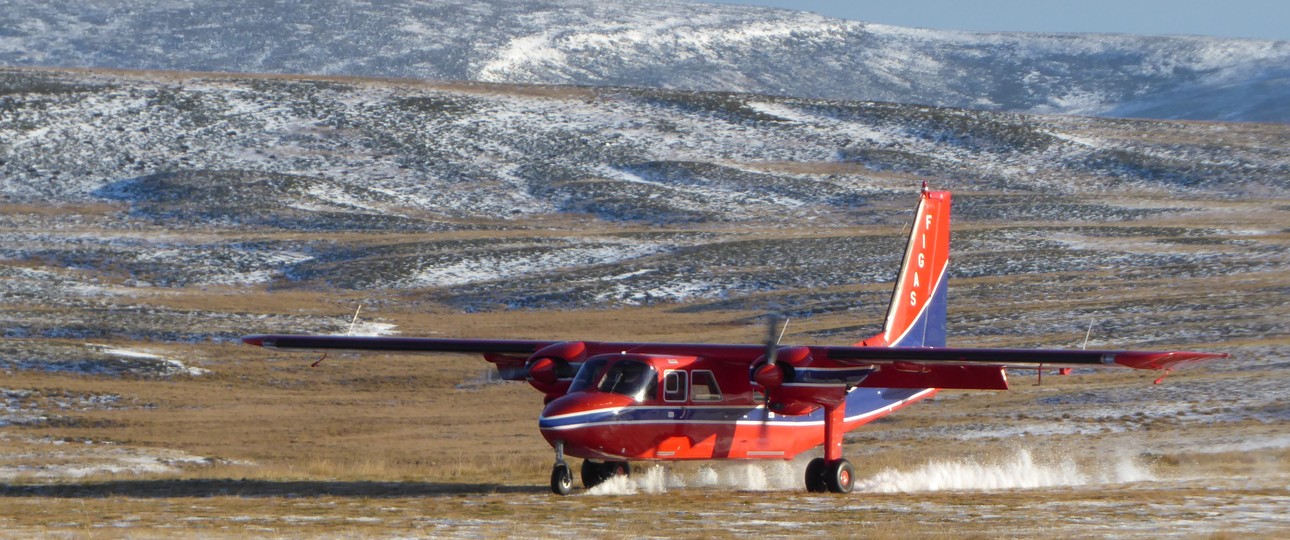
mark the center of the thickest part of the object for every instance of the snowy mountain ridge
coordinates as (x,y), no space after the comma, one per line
(214,180)
(665,44)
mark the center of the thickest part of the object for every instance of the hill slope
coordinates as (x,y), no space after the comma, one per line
(666,44)
(497,196)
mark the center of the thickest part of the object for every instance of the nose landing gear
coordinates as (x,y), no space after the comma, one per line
(593,473)
(561,474)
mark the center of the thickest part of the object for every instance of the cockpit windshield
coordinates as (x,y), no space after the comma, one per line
(631,378)
(588,375)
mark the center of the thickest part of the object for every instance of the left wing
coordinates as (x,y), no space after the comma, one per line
(396,344)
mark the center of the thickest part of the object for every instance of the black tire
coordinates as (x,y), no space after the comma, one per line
(815,476)
(593,474)
(840,476)
(561,479)
(617,468)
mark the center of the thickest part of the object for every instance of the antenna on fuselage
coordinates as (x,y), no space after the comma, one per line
(354,321)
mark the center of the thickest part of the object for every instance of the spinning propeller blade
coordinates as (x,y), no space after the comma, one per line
(773,337)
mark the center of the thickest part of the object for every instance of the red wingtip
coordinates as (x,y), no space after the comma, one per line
(258,341)
(1165,360)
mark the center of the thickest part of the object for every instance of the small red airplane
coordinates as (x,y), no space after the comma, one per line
(612,403)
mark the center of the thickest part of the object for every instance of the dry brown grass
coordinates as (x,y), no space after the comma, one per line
(388,445)
(393,445)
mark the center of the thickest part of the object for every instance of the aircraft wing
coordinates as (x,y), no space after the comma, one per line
(1017,358)
(395,344)
(896,367)
(983,369)
(907,358)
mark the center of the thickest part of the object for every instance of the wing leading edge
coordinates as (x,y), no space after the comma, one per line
(395,344)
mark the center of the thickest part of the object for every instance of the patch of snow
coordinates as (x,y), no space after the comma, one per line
(91,459)
(495,268)
(365,328)
(520,51)
(169,366)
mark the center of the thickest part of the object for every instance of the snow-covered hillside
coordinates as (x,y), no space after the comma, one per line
(162,180)
(665,44)
(364,155)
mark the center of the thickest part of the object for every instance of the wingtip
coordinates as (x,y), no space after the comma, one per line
(257,340)
(1165,360)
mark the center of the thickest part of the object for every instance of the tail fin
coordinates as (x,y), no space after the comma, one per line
(916,316)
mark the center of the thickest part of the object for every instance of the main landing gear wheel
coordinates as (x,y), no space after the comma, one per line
(618,468)
(594,474)
(561,479)
(815,476)
(840,476)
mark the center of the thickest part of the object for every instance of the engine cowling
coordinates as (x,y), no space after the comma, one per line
(551,368)
(771,379)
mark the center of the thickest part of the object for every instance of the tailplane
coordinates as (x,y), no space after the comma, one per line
(916,316)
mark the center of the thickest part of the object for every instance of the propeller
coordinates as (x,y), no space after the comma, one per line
(770,375)
(773,337)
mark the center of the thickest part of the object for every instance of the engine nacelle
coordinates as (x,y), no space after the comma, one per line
(551,368)
(775,381)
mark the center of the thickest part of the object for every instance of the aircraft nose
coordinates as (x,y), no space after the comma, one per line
(582,409)
(588,424)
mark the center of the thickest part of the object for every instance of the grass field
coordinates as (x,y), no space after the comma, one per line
(261,444)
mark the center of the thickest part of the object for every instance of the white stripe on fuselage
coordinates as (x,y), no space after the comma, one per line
(783,421)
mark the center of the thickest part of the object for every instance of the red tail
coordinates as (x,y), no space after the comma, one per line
(916,316)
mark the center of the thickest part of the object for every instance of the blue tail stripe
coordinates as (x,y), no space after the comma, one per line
(928,330)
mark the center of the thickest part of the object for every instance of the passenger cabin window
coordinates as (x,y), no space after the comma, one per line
(630,378)
(674,386)
(588,375)
(703,387)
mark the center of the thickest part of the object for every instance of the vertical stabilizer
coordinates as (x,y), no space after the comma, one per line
(916,316)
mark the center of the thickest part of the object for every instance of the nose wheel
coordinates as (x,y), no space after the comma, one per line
(561,479)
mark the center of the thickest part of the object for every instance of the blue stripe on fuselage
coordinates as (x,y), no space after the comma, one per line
(860,402)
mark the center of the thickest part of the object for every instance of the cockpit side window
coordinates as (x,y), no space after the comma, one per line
(703,386)
(588,375)
(630,378)
(675,385)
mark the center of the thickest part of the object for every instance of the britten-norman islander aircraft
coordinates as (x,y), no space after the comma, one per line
(612,403)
